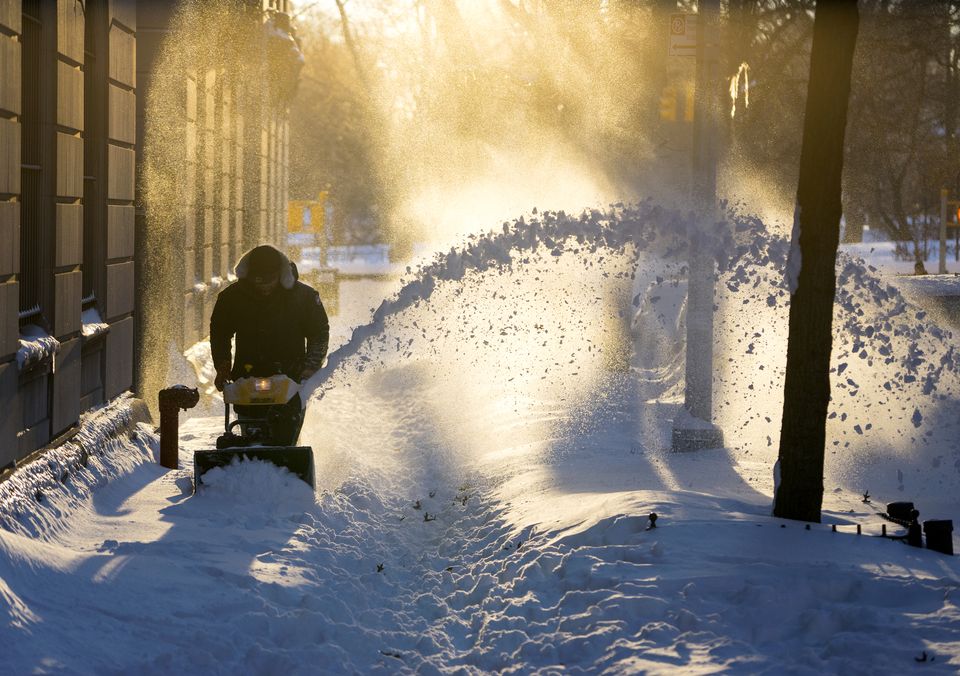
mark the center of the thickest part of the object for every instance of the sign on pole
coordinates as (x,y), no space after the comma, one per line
(683,35)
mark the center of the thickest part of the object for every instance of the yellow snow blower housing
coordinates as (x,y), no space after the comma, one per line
(250,437)
(272,391)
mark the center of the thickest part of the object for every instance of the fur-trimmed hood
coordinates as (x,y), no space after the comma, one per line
(288,270)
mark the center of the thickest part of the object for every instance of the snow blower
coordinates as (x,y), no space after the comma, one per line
(252,438)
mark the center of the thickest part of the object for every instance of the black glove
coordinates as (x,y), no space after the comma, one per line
(223,376)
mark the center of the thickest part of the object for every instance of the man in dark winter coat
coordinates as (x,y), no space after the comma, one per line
(280,327)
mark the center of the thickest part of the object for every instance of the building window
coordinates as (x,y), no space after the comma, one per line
(95,97)
(31,172)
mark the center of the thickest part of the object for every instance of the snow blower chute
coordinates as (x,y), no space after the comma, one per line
(254,436)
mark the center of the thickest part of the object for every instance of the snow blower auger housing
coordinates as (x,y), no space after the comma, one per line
(251,438)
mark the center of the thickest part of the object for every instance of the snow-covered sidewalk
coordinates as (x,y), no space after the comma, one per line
(551,569)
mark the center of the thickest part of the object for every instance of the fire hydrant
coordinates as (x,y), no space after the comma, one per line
(172,399)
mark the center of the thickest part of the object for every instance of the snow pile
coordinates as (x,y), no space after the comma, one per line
(200,358)
(275,486)
(929,285)
(36,346)
(897,259)
(370,259)
(112,441)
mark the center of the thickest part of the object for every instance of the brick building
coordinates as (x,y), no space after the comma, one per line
(75,228)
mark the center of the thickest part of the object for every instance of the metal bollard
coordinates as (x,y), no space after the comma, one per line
(172,399)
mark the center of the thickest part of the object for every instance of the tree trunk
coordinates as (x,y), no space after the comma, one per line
(951,84)
(919,256)
(799,491)
(352,46)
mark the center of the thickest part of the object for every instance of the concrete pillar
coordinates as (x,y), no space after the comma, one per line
(694,429)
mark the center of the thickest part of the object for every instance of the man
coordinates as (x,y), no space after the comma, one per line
(280,327)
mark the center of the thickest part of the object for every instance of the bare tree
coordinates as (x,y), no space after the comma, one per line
(799,491)
(904,146)
(337,134)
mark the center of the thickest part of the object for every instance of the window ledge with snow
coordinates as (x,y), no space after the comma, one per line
(91,325)
(36,347)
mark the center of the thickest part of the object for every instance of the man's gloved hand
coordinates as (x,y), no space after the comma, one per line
(223,376)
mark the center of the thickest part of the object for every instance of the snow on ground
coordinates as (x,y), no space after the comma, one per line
(892,260)
(487,460)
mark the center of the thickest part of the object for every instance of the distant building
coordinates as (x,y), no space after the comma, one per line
(77,82)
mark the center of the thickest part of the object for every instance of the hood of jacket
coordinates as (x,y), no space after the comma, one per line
(288,270)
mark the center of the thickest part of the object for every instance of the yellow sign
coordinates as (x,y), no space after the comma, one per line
(670,103)
(295,216)
(306,215)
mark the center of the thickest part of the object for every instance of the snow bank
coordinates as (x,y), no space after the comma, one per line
(929,285)
(37,499)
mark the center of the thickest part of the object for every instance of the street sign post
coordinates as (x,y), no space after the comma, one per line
(946,202)
(695,430)
(683,35)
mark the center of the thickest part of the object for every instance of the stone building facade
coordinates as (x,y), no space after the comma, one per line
(74,79)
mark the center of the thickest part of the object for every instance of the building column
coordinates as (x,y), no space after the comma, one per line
(119,296)
(9,224)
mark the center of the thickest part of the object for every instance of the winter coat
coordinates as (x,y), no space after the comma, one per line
(288,328)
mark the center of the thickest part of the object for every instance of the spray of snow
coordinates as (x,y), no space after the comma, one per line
(888,353)
(644,227)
